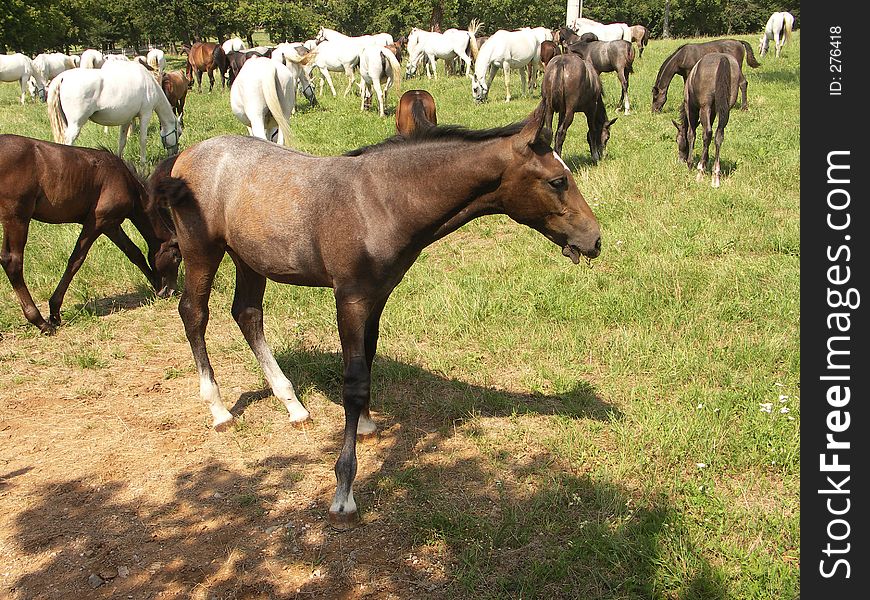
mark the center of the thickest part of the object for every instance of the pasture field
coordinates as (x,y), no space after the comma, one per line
(621,431)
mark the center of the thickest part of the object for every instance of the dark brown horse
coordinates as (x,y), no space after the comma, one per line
(607,57)
(206,57)
(710,92)
(415,110)
(681,61)
(175,85)
(236,60)
(571,85)
(55,183)
(640,36)
(549,49)
(355,223)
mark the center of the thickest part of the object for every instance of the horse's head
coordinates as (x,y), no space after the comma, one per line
(539,191)
(682,141)
(321,35)
(599,135)
(36,87)
(659,96)
(170,134)
(166,263)
(762,44)
(479,88)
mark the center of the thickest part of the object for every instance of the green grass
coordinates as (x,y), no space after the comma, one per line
(592,396)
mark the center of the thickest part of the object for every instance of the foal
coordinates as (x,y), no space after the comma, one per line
(55,183)
(711,91)
(415,110)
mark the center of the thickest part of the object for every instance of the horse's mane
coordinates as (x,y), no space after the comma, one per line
(668,61)
(443,133)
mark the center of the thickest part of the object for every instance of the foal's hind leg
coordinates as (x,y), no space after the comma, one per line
(707,124)
(248,313)
(86,239)
(743,84)
(12,259)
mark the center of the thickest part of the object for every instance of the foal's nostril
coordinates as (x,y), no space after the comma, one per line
(598,244)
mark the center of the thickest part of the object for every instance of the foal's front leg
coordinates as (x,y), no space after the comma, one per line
(12,259)
(707,125)
(353,314)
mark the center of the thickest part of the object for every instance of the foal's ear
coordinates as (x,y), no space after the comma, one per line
(534,132)
(610,122)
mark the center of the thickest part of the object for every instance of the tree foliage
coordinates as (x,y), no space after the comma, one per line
(33,26)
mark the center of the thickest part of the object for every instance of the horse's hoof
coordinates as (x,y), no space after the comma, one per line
(344,521)
(48,329)
(300,423)
(223,425)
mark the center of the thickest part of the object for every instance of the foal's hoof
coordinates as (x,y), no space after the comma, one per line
(221,426)
(344,521)
(48,328)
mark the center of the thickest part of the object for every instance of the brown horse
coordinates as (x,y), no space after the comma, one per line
(681,61)
(571,85)
(355,223)
(710,92)
(175,85)
(55,183)
(549,49)
(616,56)
(640,36)
(415,110)
(205,57)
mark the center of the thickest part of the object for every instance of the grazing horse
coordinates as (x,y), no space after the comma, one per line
(205,57)
(640,36)
(778,29)
(379,64)
(710,92)
(156,60)
(53,183)
(571,85)
(18,67)
(506,50)
(264,95)
(681,61)
(92,59)
(51,65)
(616,56)
(432,45)
(113,95)
(175,85)
(354,223)
(415,110)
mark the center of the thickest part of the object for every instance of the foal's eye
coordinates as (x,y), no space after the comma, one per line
(559,184)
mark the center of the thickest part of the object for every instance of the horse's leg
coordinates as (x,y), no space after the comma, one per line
(193,308)
(210,74)
(198,80)
(367,428)
(362,93)
(12,259)
(248,312)
(132,252)
(523,82)
(87,237)
(353,313)
(720,137)
(707,124)
(622,74)
(143,135)
(376,83)
(690,135)
(348,71)
(507,81)
(122,138)
(23,83)
(743,84)
(434,64)
(325,74)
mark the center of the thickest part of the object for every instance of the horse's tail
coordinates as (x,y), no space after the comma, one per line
(722,93)
(750,55)
(787,23)
(473,28)
(270,87)
(219,58)
(56,116)
(395,67)
(630,66)
(419,116)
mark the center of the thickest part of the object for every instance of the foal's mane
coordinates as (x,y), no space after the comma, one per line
(443,133)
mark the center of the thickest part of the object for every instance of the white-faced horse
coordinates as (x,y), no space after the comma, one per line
(18,67)
(432,45)
(156,60)
(778,29)
(604,33)
(263,97)
(377,64)
(92,59)
(506,50)
(112,95)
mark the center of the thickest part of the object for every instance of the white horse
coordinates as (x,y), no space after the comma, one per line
(18,67)
(92,59)
(53,64)
(432,45)
(112,95)
(116,57)
(606,33)
(372,73)
(77,59)
(234,45)
(506,50)
(331,35)
(337,56)
(541,34)
(156,60)
(778,29)
(263,96)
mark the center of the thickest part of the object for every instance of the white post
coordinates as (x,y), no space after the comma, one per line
(573,10)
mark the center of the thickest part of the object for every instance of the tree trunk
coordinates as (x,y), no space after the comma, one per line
(437,17)
(665,26)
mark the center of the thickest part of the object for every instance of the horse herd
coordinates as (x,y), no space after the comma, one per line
(334,221)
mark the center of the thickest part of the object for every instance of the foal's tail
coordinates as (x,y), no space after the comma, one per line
(750,55)
(56,116)
(630,65)
(722,93)
(473,28)
(270,87)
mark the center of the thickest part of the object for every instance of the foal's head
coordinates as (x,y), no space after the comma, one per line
(599,134)
(540,191)
(682,136)
(659,96)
